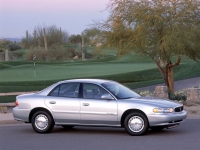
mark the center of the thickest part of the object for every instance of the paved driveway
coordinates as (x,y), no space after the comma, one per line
(179,85)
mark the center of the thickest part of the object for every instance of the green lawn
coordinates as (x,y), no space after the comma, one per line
(7,99)
(132,70)
(62,71)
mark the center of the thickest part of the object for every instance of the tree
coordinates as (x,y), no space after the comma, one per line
(160,29)
(54,35)
(6,44)
(91,35)
(75,39)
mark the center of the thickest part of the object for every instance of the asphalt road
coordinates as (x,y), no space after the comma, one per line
(22,137)
(178,85)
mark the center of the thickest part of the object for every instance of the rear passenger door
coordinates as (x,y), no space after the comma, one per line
(65,103)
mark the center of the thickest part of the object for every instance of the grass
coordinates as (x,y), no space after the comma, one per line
(131,70)
(24,73)
(7,99)
(5,89)
(131,79)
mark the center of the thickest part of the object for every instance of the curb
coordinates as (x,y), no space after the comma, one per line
(7,104)
(16,93)
(6,122)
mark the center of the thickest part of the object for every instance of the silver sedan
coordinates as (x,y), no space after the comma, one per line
(95,102)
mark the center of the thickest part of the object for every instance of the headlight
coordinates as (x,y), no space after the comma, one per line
(163,110)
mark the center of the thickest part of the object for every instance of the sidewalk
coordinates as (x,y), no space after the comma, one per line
(7,118)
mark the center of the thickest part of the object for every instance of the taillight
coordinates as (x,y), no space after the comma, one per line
(16,103)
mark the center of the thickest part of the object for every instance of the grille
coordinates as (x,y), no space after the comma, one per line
(179,109)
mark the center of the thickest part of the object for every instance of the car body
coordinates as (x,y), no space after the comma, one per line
(96,102)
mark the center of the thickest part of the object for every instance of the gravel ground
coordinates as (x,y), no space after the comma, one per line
(193,110)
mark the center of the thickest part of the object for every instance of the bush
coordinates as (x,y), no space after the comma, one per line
(197,86)
(13,47)
(145,93)
(54,54)
(178,95)
(18,54)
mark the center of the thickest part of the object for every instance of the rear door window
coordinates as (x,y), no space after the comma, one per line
(70,90)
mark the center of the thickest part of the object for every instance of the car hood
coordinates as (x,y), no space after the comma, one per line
(155,101)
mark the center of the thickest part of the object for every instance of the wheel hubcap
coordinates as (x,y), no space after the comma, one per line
(136,124)
(41,122)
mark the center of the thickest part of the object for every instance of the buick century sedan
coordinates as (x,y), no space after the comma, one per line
(95,102)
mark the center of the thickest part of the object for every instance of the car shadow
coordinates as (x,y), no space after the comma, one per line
(89,130)
(111,131)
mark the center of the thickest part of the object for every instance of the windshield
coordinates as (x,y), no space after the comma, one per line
(120,91)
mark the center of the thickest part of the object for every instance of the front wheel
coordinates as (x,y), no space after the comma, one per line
(42,122)
(136,123)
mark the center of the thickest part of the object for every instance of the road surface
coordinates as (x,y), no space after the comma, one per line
(22,137)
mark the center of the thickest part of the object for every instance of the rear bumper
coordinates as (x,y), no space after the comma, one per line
(167,119)
(21,114)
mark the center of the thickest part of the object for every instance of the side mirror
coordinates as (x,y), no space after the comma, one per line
(107,97)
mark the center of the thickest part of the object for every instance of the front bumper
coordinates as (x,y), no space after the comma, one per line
(21,114)
(166,119)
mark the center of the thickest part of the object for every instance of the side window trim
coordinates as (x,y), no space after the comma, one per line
(80,95)
(54,89)
(97,86)
(69,83)
(108,92)
(58,86)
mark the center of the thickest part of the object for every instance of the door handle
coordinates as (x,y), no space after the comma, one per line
(52,102)
(85,104)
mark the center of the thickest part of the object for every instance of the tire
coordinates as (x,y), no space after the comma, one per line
(136,124)
(67,126)
(157,128)
(42,122)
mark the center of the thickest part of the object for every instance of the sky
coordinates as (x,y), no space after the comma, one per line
(73,16)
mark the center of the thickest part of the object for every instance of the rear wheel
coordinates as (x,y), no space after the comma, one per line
(67,126)
(42,122)
(136,123)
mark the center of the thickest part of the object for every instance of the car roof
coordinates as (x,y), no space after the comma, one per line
(97,81)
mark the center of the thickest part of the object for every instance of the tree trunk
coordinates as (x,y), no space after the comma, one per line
(167,72)
(45,40)
(170,79)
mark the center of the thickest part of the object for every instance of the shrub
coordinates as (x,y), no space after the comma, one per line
(18,53)
(40,53)
(145,93)
(13,47)
(197,86)
(4,43)
(2,56)
(53,54)
(178,95)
